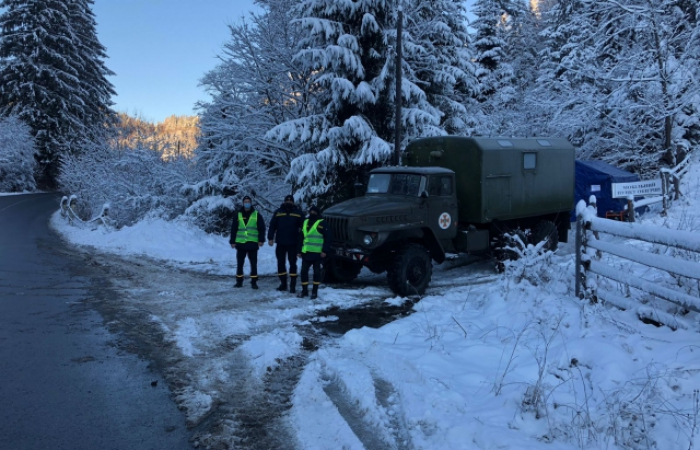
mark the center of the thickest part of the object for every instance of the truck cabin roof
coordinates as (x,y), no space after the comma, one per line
(415,170)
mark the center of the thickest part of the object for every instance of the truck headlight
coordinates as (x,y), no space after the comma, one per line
(367,240)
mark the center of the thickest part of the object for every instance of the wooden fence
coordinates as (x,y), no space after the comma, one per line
(670,188)
(589,249)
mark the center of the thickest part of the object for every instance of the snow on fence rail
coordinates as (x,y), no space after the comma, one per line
(68,211)
(587,249)
(670,188)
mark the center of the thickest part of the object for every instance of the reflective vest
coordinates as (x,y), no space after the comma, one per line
(247,232)
(313,240)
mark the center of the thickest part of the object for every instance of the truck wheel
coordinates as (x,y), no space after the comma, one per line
(545,230)
(411,271)
(340,271)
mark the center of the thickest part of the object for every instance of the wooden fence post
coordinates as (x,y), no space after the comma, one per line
(676,187)
(579,243)
(630,210)
(664,190)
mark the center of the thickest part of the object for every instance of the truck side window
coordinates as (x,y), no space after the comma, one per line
(446,186)
(529,161)
(440,186)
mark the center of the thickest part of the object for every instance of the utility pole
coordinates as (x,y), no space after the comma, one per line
(398,97)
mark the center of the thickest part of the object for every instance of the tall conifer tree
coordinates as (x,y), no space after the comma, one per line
(53,78)
(350,48)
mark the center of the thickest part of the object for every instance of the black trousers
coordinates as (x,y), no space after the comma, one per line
(286,253)
(240,260)
(306,264)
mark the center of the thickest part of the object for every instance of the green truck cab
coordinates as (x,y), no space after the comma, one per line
(454,195)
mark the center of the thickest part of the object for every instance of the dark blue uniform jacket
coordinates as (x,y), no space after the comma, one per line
(285,225)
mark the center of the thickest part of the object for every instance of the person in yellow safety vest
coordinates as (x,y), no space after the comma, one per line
(247,236)
(315,246)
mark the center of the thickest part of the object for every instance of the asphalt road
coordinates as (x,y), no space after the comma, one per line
(64,383)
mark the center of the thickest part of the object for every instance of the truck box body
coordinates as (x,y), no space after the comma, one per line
(500,179)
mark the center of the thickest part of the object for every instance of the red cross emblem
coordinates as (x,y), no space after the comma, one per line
(445,221)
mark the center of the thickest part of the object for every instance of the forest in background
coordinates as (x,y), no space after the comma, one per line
(176,135)
(303,99)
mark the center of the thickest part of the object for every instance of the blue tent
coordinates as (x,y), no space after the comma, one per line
(596,178)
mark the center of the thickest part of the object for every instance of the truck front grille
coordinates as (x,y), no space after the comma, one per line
(339,228)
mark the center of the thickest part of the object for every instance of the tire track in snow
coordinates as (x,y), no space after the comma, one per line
(148,301)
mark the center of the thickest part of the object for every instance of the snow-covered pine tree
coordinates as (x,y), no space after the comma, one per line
(16,156)
(256,86)
(494,72)
(490,26)
(349,48)
(518,111)
(565,91)
(97,90)
(438,61)
(52,78)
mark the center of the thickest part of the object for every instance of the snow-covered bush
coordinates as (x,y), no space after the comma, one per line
(17,161)
(526,261)
(135,183)
(212,214)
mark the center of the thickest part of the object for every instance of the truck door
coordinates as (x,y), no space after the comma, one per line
(443,206)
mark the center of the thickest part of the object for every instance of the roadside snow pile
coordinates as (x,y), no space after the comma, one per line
(177,243)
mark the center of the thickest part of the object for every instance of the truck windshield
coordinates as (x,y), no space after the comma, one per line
(396,183)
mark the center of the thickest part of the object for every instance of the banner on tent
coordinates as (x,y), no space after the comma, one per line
(636,188)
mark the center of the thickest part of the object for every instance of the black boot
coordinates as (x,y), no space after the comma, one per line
(239,282)
(304,291)
(292,284)
(254,283)
(314,292)
(283,283)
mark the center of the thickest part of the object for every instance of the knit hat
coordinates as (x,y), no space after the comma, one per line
(289,197)
(248,197)
(315,209)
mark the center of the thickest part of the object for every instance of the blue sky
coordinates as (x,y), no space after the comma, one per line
(159,49)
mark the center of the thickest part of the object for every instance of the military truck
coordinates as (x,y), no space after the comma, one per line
(454,195)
